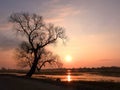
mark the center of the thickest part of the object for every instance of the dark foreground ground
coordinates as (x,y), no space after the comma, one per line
(12,82)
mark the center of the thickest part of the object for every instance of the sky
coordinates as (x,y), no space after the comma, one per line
(92,27)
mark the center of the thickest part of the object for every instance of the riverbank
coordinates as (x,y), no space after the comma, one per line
(13,82)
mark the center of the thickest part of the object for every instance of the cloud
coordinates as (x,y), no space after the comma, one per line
(59,13)
(108,62)
(5,26)
(7,37)
(58,10)
(7,42)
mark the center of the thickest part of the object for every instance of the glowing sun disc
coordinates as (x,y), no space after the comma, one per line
(68,58)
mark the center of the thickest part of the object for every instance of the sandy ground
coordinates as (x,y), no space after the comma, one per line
(15,83)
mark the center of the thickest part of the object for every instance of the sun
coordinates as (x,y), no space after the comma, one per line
(68,58)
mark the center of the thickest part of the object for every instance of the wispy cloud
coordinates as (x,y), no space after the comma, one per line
(5,26)
(7,42)
(7,37)
(58,10)
(60,13)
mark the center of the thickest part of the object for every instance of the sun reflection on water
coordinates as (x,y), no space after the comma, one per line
(68,78)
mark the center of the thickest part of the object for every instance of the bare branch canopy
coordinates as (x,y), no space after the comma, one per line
(38,35)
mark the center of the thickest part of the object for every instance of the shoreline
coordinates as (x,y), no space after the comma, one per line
(13,82)
(79,85)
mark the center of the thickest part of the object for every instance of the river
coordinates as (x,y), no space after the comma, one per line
(79,77)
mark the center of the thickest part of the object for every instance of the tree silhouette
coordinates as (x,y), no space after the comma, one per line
(37,35)
(25,59)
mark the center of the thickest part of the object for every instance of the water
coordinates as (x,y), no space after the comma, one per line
(80,77)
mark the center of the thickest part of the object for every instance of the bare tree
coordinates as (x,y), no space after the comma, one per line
(25,59)
(37,35)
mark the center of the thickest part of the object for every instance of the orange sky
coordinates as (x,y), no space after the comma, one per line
(92,26)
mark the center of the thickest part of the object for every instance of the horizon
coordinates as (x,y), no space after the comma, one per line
(92,28)
(62,68)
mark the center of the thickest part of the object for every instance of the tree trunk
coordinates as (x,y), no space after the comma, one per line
(33,68)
